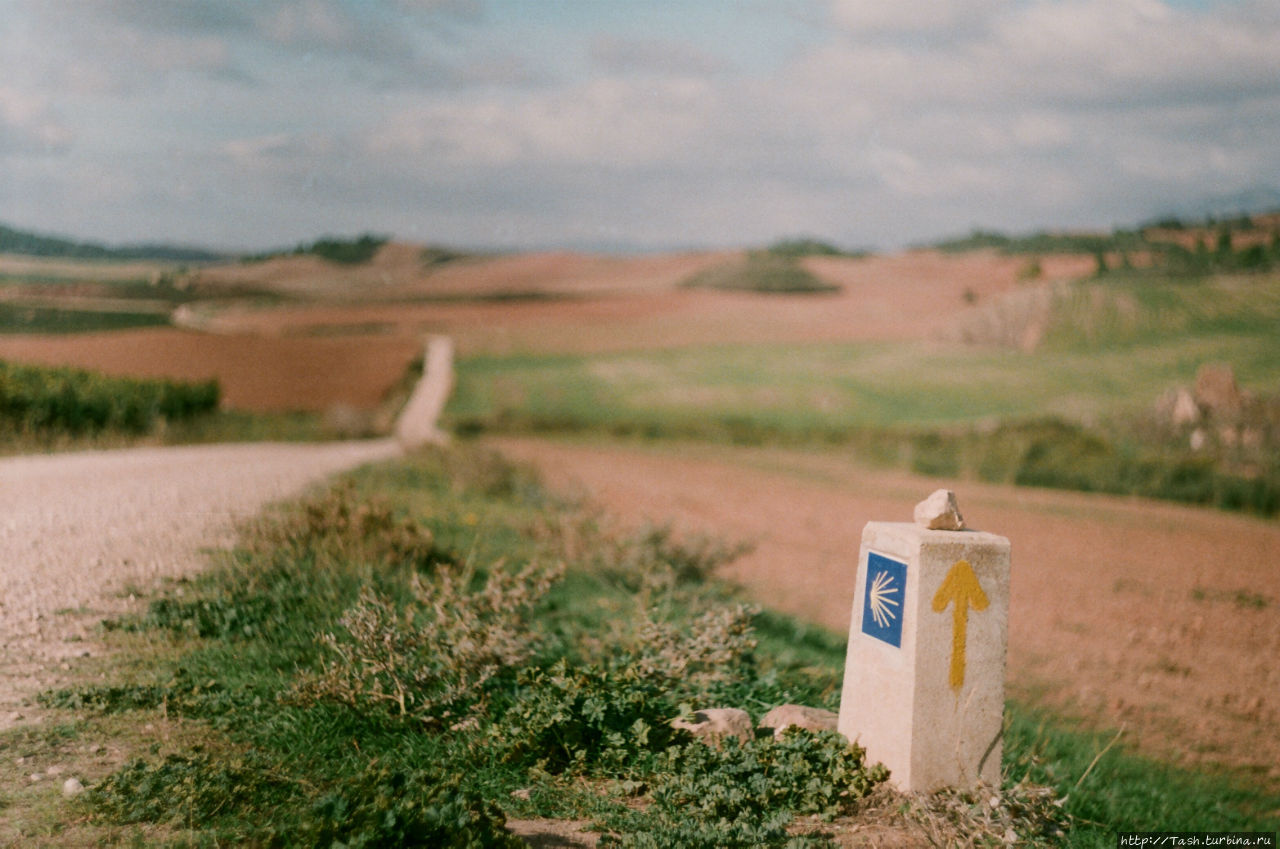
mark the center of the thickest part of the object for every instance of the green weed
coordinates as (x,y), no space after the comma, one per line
(42,400)
(742,795)
(1106,789)
(436,658)
(386,807)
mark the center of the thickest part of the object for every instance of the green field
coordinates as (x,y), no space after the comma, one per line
(41,319)
(820,389)
(1110,348)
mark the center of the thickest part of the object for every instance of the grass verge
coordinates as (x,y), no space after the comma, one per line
(437,645)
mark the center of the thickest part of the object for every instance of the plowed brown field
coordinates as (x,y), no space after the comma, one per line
(357,328)
(601,305)
(357,333)
(1159,619)
(260,373)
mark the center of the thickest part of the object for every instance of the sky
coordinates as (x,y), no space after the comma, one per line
(628,125)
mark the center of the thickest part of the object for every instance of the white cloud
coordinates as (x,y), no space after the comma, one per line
(607,120)
(259,147)
(329,28)
(28,124)
(886,123)
(905,17)
(1041,129)
(621,55)
(1109,89)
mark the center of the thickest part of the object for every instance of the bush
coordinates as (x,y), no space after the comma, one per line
(378,807)
(654,551)
(183,788)
(745,795)
(798,248)
(345,251)
(764,272)
(935,454)
(1065,456)
(585,718)
(342,525)
(44,400)
(389,808)
(434,659)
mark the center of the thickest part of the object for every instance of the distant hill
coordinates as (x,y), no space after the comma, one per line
(34,244)
(1258,200)
(1146,236)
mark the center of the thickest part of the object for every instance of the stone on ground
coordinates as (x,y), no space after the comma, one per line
(713,725)
(1216,390)
(799,716)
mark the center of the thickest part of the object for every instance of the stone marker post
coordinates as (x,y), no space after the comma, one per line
(924,674)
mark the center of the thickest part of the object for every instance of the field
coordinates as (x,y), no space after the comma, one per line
(1166,609)
(788,419)
(257,373)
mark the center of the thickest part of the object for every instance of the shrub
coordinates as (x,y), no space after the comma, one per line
(44,400)
(797,248)
(934,453)
(433,659)
(1067,457)
(575,719)
(184,788)
(713,648)
(377,807)
(761,271)
(655,551)
(345,525)
(383,807)
(745,794)
(345,251)
(612,711)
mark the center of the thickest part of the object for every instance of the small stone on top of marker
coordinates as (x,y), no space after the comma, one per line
(939,512)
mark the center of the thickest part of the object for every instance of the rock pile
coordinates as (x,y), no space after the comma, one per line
(1215,410)
(714,725)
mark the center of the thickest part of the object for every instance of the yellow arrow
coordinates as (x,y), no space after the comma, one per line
(961,586)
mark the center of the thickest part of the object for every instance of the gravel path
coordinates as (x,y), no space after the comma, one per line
(79,533)
(417,424)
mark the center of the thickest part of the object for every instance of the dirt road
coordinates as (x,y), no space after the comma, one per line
(1161,618)
(79,533)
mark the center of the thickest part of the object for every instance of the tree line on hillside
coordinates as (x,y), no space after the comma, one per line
(16,241)
(1242,243)
(354,251)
